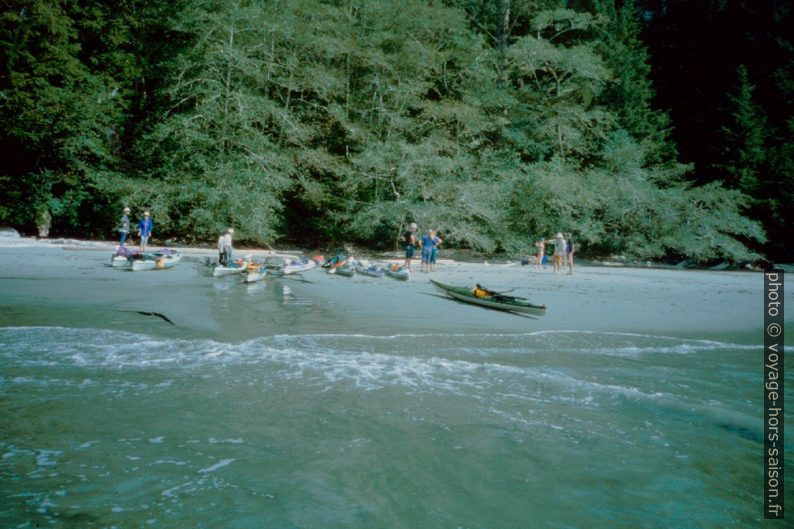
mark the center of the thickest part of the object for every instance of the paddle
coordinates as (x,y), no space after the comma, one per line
(500,296)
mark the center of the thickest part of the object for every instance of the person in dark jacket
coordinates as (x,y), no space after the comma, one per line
(124,226)
(411,242)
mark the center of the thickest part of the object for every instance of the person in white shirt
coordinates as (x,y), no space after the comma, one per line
(225,247)
(558,259)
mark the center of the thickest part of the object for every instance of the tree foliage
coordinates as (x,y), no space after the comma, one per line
(317,121)
(66,82)
(724,69)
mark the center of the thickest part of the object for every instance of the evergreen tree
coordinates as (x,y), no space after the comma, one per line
(215,159)
(323,120)
(631,90)
(65,79)
(745,154)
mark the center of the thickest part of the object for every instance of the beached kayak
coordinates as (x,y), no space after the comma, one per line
(254,274)
(494,301)
(236,267)
(124,257)
(294,265)
(368,269)
(156,260)
(346,269)
(121,261)
(340,261)
(338,258)
(398,272)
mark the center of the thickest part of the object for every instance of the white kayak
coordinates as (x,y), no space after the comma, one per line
(156,260)
(120,261)
(254,274)
(398,272)
(368,269)
(124,257)
(345,270)
(295,266)
(237,267)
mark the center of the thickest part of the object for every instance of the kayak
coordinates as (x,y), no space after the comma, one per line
(368,269)
(121,261)
(254,274)
(124,257)
(334,262)
(237,267)
(340,265)
(156,260)
(296,266)
(495,301)
(398,272)
(345,269)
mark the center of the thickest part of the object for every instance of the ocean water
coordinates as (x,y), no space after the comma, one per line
(558,429)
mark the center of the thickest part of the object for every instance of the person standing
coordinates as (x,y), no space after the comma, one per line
(559,252)
(222,249)
(124,226)
(434,252)
(541,245)
(145,227)
(569,253)
(410,241)
(227,246)
(427,249)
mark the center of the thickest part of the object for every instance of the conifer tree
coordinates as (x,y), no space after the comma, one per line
(66,77)
(745,152)
(631,90)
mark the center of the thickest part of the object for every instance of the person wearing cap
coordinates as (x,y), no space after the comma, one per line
(411,242)
(225,247)
(124,226)
(559,252)
(145,227)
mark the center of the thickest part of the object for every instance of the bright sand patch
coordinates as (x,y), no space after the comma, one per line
(44,284)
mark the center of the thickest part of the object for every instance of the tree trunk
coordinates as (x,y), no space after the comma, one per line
(504,29)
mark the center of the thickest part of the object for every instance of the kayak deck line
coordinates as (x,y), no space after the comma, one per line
(507,303)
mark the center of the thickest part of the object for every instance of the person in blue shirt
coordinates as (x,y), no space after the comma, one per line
(428,243)
(145,227)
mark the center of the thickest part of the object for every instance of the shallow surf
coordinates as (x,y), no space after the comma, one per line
(543,429)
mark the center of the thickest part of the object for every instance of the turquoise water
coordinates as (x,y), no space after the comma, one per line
(547,429)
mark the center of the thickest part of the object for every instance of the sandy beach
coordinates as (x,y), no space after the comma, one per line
(71,284)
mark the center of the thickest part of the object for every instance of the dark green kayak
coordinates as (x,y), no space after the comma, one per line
(495,301)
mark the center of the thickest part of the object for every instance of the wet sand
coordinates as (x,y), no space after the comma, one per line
(71,285)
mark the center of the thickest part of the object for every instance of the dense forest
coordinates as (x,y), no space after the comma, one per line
(649,128)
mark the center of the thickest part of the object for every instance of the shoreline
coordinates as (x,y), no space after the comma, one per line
(47,284)
(457,256)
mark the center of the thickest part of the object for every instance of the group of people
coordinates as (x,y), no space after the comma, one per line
(427,243)
(563,252)
(145,227)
